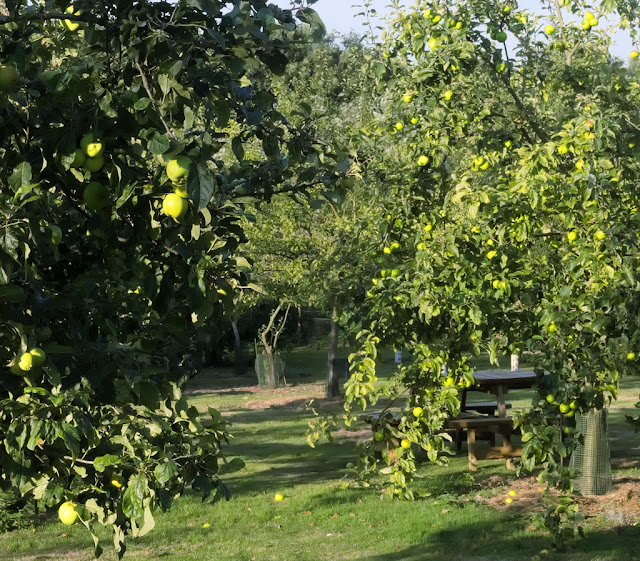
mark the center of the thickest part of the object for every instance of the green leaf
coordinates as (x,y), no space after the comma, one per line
(21,176)
(165,472)
(238,150)
(159,144)
(200,185)
(141,103)
(11,293)
(134,495)
(100,463)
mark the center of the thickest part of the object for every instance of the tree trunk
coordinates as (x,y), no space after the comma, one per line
(240,358)
(299,325)
(332,388)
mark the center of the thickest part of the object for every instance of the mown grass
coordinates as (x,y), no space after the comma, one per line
(320,519)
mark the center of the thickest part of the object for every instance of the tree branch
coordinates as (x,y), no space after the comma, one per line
(40,16)
(145,83)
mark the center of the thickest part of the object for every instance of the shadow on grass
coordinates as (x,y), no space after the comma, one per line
(479,541)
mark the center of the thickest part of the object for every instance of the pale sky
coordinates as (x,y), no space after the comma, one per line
(339,15)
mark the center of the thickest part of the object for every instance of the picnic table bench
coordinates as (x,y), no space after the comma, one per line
(476,423)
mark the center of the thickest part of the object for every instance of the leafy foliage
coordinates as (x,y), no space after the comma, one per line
(116,293)
(513,216)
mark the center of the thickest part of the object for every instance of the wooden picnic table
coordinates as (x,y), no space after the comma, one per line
(499,382)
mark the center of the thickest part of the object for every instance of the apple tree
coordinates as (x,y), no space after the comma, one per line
(508,139)
(122,134)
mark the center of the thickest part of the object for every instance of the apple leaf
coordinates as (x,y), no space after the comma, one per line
(200,185)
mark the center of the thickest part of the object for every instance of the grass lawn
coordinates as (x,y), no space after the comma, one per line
(464,517)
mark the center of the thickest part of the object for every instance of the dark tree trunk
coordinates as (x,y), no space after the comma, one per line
(332,388)
(240,358)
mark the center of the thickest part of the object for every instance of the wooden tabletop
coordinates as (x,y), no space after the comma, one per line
(508,378)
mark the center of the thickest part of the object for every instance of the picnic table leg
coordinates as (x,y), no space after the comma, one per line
(502,406)
(471,447)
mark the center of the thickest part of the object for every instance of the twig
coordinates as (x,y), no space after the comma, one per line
(145,83)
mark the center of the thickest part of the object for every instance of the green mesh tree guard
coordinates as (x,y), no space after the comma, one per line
(592,458)
(270,372)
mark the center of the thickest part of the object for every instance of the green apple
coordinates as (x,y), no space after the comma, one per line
(9,77)
(405,443)
(398,126)
(96,195)
(496,284)
(395,246)
(26,362)
(552,327)
(175,206)
(449,382)
(94,164)
(600,236)
(447,95)
(433,43)
(564,408)
(501,36)
(436,18)
(38,356)
(501,67)
(551,398)
(423,160)
(378,436)
(506,10)
(407,98)
(563,149)
(418,411)
(67,513)
(573,405)
(414,120)
(572,236)
(549,29)
(631,355)
(634,54)
(585,25)
(91,145)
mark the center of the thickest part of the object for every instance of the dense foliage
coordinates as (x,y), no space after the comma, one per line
(509,141)
(122,185)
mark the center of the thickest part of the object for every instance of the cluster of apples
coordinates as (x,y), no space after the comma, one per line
(30,360)
(90,157)
(175,204)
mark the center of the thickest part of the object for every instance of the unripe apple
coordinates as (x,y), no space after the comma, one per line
(631,355)
(447,95)
(423,160)
(549,29)
(600,235)
(418,411)
(572,236)
(405,443)
(634,54)
(407,98)
(399,126)
(9,77)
